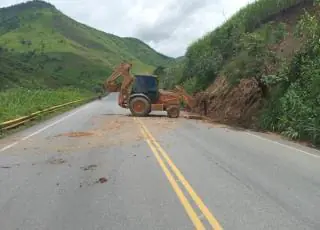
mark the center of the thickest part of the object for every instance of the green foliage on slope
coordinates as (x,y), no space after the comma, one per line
(47,58)
(253,44)
(42,47)
(206,57)
(171,74)
(294,109)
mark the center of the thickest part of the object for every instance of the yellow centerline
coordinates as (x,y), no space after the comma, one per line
(193,216)
(155,145)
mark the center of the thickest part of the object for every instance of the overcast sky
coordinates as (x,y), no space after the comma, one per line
(169,26)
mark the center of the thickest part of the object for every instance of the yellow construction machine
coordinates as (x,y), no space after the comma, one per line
(141,95)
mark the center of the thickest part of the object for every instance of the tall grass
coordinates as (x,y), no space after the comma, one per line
(240,48)
(295,109)
(208,55)
(19,102)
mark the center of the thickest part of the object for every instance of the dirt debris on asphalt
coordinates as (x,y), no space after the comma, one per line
(76,134)
(192,116)
(89,167)
(56,161)
(162,123)
(5,167)
(104,131)
(102,180)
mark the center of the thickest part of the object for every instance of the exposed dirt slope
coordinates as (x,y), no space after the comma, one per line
(230,104)
(239,104)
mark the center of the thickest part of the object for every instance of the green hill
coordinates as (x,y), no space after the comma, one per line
(260,68)
(42,47)
(47,58)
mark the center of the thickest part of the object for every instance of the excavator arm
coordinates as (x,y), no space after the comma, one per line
(122,70)
(111,85)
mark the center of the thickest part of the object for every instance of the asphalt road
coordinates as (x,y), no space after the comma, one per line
(96,167)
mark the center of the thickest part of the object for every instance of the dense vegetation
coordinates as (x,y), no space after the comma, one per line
(41,48)
(19,102)
(253,44)
(57,51)
(294,108)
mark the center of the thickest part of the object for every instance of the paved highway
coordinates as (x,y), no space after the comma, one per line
(96,167)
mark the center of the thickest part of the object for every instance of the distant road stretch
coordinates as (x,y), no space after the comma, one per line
(96,167)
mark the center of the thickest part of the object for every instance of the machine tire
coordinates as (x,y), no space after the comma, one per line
(173,112)
(139,106)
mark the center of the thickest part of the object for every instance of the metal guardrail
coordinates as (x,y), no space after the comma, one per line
(22,120)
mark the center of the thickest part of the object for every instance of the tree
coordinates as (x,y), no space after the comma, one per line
(159,70)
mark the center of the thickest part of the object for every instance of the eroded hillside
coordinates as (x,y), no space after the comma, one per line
(261,73)
(234,96)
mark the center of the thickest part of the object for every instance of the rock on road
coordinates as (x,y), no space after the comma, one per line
(96,167)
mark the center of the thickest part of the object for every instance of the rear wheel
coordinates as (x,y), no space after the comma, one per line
(139,106)
(173,111)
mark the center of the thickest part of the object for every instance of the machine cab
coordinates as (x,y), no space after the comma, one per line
(146,84)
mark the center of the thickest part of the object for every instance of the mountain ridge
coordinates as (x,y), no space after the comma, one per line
(60,51)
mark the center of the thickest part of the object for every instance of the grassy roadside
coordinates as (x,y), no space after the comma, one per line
(41,118)
(18,102)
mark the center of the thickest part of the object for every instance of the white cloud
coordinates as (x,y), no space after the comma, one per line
(168,26)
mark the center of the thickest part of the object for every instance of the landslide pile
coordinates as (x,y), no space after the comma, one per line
(259,69)
(238,99)
(232,105)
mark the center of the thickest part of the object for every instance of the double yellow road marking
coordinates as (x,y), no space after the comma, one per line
(160,154)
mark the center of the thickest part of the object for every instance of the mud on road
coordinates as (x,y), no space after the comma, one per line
(104,131)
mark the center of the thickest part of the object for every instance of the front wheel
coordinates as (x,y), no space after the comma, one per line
(139,106)
(173,112)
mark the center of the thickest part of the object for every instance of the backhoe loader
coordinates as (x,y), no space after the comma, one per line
(141,95)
